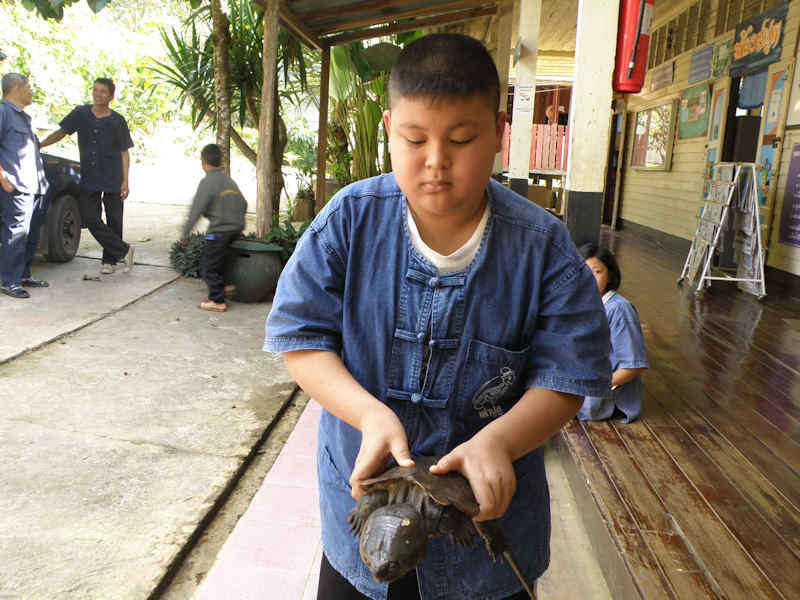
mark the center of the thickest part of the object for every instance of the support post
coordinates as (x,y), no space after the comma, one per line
(322,133)
(590,118)
(524,95)
(502,58)
(265,175)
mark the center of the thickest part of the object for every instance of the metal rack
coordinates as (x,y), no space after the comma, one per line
(717,211)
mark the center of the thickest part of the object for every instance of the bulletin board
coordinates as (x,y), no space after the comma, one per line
(693,116)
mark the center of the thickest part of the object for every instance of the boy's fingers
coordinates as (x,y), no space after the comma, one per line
(401,454)
(444,465)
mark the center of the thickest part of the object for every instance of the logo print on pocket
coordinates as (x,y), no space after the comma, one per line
(486,399)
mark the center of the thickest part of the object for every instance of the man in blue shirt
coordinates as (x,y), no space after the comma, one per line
(432,311)
(22,188)
(103,142)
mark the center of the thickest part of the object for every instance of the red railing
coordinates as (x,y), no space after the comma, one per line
(549,147)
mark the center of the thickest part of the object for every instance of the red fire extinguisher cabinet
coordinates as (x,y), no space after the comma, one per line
(633,41)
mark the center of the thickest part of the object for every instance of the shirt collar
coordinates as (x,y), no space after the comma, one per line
(14,106)
(608,295)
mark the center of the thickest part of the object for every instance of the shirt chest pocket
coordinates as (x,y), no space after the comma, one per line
(491,382)
(21,141)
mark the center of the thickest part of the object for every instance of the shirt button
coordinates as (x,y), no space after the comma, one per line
(421,336)
(432,343)
(433,282)
(416,398)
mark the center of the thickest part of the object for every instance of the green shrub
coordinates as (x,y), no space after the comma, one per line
(186,259)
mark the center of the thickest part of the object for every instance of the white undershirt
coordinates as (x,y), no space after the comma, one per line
(458,260)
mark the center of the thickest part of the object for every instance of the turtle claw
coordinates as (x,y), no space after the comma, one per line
(495,538)
(364,508)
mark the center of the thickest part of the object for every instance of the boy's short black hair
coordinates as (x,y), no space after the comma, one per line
(445,64)
(212,155)
(108,82)
(604,255)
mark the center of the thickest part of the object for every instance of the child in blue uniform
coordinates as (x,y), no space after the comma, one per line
(628,354)
(432,311)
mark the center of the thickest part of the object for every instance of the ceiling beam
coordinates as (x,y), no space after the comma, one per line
(380,19)
(350,9)
(294,23)
(366,34)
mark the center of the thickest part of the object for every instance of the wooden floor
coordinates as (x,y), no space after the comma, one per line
(700,498)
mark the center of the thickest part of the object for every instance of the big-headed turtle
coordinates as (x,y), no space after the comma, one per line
(405,506)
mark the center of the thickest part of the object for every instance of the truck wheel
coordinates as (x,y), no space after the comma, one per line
(63,229)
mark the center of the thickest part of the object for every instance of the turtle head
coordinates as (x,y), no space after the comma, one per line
(393,541)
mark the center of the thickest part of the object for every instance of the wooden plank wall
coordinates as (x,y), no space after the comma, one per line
(669,201)
(783,256)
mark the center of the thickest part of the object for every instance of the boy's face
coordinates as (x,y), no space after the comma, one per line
(443,152)
(101,94)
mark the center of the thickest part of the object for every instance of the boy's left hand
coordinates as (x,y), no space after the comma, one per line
(488,468)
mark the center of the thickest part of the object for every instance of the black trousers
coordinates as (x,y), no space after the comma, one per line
(108,234)
(332,586)
(212,263)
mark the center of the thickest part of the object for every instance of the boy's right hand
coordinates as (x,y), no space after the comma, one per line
(382,436)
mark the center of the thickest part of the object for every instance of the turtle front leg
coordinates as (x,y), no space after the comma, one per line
(364,508)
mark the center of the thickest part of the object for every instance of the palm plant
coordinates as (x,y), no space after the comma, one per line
(190,70)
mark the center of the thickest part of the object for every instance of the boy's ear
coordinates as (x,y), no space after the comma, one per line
(387,122)
(500,127)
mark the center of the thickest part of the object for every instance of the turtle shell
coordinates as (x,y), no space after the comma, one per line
(450,489)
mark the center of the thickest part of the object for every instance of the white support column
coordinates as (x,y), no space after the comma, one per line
(502,58)
(590,117)
(524,94)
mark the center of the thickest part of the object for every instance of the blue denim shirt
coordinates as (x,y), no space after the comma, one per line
(627,352)
(448,353)
(100,143)
(19,151)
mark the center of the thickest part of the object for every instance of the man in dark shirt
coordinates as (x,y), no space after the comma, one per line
(103,142)
(22,188)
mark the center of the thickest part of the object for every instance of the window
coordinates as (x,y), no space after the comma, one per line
(684,33)
(732,12)
(652,137)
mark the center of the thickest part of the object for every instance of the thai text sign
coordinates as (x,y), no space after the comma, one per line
(758,41)
(789,232)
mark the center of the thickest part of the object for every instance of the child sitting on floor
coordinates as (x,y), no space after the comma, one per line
(628,354)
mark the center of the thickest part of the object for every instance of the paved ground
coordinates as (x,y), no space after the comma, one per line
(119,437)
(126,414)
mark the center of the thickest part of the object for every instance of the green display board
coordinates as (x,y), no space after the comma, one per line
(693,115)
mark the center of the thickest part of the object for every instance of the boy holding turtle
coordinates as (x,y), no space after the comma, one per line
(432,311)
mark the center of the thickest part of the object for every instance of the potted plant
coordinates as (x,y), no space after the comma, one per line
(253,264)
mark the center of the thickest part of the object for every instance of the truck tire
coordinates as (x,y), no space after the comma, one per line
(63,228)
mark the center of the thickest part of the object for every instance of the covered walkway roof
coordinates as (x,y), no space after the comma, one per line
(322,23)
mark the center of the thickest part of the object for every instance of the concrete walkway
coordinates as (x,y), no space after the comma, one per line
(123,426)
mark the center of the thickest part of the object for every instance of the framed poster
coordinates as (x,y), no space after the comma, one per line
(793,114)
(789,230)
(662,76)
(723,55)
(694,112)
(700,64)
(717,106)
(775,86)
